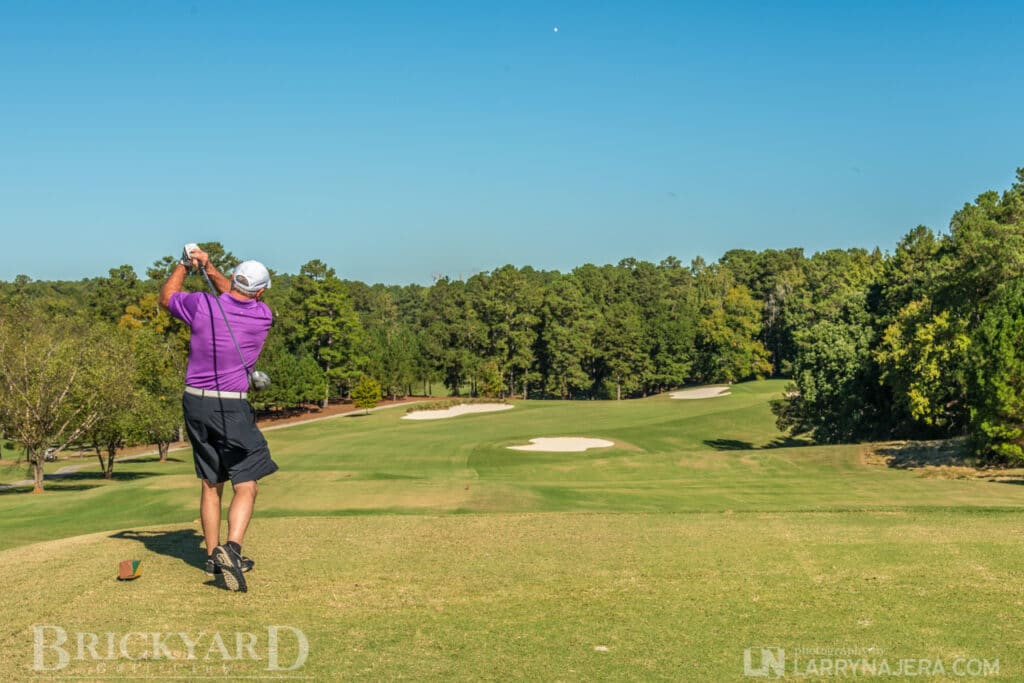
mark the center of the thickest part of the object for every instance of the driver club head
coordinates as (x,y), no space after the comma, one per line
(259,380)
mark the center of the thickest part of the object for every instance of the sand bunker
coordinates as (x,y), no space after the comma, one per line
(563,444)
(700,392)
(455,411)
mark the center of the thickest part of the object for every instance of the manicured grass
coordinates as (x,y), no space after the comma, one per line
(499,597)
(428,550)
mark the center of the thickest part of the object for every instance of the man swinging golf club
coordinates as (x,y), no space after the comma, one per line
(229,328)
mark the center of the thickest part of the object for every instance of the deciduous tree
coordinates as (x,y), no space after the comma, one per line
(51,382)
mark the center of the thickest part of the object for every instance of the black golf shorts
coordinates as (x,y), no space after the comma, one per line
(226,443)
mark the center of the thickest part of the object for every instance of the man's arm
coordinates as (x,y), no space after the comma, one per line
(222,283)
(173,285)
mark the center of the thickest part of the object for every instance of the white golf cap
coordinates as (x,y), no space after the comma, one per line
(250,277)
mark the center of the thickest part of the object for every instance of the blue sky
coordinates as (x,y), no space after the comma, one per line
(396,140)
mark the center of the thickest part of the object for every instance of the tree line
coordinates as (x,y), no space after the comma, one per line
(923,342)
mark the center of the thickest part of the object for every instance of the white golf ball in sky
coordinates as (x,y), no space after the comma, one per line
(556,29)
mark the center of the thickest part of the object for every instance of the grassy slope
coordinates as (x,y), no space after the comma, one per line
(794,547)
(7,454)
(671,456)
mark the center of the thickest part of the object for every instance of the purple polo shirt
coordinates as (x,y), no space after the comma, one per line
(213,362)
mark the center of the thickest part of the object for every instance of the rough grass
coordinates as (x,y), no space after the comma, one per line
(428,551)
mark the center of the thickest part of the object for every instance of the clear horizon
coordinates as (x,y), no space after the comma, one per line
(394,141)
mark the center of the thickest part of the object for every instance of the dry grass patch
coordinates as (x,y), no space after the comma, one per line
(937,459)
(452,402)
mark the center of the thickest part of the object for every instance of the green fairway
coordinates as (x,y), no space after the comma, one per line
(428,550)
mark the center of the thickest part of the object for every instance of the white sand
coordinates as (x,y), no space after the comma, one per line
(455,411)
(700,392)
(563,444)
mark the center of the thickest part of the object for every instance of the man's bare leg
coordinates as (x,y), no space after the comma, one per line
(240,511)
(209,513)
(228,557)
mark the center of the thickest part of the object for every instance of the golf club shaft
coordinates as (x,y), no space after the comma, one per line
(223,313)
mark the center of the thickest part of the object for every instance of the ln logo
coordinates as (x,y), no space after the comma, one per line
(771,662)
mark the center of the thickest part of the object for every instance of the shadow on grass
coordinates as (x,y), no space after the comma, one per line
(736,445)
(149,458)
(729,445)
(907,455)
(50,486)
(95,475)
(386,476)
(8,490)
(60,487)
(944,459)
(58,481)
(184,544)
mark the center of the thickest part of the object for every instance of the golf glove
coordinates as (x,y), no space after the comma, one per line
(186,254)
